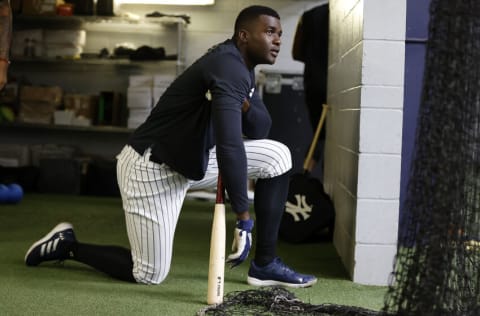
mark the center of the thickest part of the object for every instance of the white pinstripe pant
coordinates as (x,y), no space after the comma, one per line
(153,194)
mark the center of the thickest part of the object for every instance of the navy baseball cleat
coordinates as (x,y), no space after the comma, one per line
(278,273)
(52,246)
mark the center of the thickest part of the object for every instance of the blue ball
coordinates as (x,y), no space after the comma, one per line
(15,193)
(4,193)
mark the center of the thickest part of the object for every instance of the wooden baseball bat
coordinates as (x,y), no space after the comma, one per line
(315,138)
(216,270)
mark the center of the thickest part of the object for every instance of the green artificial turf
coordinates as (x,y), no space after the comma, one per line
(71,288)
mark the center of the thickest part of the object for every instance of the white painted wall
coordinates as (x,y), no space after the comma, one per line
(364,132)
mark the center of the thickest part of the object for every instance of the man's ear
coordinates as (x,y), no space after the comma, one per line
(243,35)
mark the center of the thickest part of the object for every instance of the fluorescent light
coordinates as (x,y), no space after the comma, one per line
(169,2)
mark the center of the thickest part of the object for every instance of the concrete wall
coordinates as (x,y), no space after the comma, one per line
(364,132)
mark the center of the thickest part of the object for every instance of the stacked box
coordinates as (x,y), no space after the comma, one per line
(139,99)
(160,83)
(64,43)
(37,104)
(144,91)
(83,107)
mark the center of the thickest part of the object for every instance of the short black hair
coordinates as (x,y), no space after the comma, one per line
(252,12)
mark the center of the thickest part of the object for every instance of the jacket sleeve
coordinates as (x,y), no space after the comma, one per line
(229,86)
(256,121)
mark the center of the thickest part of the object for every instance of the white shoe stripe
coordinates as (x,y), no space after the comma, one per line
(49,247)
(42,250)
(55,243)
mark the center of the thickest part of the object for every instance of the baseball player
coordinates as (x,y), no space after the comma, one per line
(210,119)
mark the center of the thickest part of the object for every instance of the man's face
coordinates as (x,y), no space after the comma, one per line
(263,40)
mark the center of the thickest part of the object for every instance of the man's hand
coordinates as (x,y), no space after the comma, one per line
(245,105)
(242,242)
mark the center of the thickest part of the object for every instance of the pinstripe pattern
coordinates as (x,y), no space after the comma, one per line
(153,194)
(266,158)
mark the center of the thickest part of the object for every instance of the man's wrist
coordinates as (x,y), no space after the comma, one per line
(243,216)
(246,224)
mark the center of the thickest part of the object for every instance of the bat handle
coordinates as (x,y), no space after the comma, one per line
(220,190)
(315,138)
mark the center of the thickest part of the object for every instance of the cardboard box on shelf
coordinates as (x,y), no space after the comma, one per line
(83,105)
(36,112)
(47,94)
(40,7)
(37,104)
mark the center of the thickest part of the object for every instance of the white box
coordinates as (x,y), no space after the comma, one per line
(81,121)
(138,114)
(137,117)
(71,37)
(139,97)
(140,81)
(63,117)
(131,123)
(163,80)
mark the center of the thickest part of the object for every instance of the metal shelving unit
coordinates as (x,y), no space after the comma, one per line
(89,75)
(107,24)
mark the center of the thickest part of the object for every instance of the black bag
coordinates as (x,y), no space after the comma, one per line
(309,212)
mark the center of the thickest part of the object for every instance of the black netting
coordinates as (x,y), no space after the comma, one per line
(277,301)
(437,266)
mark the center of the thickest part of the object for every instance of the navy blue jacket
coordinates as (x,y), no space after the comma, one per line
(203,108)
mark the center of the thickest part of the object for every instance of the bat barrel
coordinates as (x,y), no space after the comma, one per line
(216,269)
